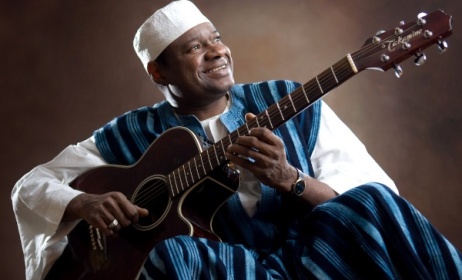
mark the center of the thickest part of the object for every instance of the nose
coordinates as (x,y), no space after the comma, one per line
(215,51)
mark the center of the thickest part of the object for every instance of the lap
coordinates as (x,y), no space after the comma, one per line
(366,232)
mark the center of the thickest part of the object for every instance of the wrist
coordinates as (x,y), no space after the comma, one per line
(299,185)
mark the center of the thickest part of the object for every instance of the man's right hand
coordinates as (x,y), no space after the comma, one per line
(101,210)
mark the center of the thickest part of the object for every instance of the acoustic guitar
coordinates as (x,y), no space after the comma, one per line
(183,187)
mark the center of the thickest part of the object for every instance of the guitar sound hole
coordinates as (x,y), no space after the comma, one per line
(153,195)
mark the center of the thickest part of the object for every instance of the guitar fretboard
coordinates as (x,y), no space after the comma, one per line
(277,114)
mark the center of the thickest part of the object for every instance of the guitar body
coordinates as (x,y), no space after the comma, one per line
(92,256)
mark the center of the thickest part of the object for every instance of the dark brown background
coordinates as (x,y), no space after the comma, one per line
(67,67)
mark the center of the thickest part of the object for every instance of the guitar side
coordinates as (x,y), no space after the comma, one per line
(90,255)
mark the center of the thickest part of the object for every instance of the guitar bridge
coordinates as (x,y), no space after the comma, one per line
(98,252)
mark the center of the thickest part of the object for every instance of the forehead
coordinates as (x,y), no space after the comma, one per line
(203,30)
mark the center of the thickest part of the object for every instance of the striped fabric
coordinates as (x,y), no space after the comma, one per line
(123,141)
(366,233)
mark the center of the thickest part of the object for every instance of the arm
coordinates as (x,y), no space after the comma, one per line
(40,199)
(47,208)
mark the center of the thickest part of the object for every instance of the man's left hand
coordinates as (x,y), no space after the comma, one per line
(263,154)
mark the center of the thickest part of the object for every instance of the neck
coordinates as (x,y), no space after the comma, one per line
(205,111)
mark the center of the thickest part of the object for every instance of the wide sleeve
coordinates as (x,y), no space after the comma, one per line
(39,200)
(341,160)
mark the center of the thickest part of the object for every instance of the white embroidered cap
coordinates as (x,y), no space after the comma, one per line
(164,27)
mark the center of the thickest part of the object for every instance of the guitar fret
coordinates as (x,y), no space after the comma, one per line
(197,169)
(216,154)
(185,175)
(333,72)
(258,124)
(279,108)
(223,148)
(305,94)
(269,120)
(319,85)
(190,171)
(170,184)
(203,164)
(181,181)
(210,161)
(292,102)
(248,130)
(176,184)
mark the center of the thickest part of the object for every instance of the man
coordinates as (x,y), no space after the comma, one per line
(365,232)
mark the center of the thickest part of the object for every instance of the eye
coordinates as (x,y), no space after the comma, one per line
(194,48)
(218,39)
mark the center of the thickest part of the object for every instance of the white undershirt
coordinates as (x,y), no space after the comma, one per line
(249,190)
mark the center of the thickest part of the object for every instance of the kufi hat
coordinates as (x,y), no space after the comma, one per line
(164,27)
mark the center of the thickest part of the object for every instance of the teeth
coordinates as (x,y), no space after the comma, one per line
(216,69)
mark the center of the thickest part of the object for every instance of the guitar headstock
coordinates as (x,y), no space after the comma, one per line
(388,48)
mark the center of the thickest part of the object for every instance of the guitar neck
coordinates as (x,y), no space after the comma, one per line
(277,114)
(300,99)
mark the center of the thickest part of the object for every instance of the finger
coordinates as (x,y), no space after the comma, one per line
(245,147)
(102,225)
(265,135)
(114,225)
(239,160)
(142,212)
(253,147)
(115,208)
(129,213)
(249,116)
(248,158)
(133,212)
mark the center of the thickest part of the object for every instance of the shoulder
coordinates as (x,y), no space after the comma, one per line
(125,138)
(263,94)
(282,87)
(137,116)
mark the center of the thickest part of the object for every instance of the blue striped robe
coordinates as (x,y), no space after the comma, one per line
(365,233)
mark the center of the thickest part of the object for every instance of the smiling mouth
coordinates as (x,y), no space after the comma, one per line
(216,69)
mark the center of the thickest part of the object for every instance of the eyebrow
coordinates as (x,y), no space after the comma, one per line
(215,31)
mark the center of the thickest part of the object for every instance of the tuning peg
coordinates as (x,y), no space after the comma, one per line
(421,15)
(379,32)
(420,19)
(420,59)
(442,46)
(398,71)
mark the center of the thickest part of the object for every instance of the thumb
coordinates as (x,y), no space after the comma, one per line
(249,116)
(142,212)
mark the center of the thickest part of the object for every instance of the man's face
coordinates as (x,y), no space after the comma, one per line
(199,65)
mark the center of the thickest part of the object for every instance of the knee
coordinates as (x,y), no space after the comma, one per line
(372,189)
(364,198)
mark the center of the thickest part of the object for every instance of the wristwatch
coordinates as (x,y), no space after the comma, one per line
(298,187)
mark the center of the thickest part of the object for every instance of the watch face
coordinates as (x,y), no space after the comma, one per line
(299,187)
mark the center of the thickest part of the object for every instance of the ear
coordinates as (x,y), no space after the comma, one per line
(156,72)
